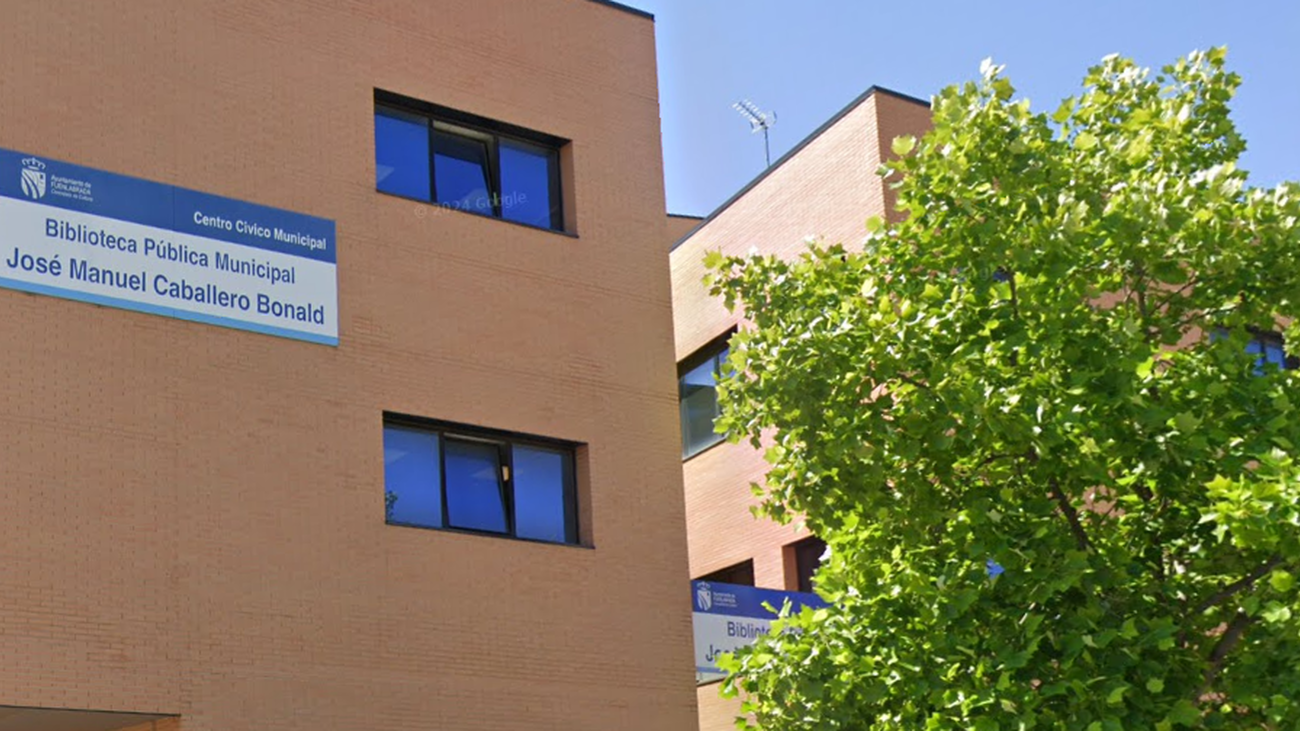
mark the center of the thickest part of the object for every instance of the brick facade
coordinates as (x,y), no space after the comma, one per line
(192,517)
(825,189)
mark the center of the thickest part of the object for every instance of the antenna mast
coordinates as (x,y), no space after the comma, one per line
(758,120)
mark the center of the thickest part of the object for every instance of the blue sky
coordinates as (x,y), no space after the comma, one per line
(807,59)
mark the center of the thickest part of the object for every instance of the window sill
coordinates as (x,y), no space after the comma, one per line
(439,209)
(688,457)
(487,534)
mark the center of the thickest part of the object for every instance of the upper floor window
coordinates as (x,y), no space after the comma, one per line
(697,396)
(448,476)
(1269,348)
(467,162)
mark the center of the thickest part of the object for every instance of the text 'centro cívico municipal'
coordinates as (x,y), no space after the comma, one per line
(109,239)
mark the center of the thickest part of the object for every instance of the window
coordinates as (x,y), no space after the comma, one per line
(741,574)
(447,476)
(468,163)
(807,559)
(1268,348)
(697,395)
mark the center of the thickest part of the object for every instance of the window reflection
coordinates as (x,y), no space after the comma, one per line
(541,506)
(460,169)
(697,393)
(474,498)
(412,480)
(527,172)
(401,154)
(474,479)
(466,162)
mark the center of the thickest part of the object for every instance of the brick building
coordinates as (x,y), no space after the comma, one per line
(826,187)
(445,493)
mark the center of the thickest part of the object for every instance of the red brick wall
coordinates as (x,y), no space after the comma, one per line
(679,226)
(827,190)
(191,518)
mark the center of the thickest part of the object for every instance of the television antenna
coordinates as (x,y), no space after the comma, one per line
(758,121)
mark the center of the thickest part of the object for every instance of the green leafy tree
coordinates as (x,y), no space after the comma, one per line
(1059,491)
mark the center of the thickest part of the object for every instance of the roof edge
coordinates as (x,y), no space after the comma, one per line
(624,8)
(872,90)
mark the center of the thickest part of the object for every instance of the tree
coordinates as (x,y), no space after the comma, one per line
(1058,490)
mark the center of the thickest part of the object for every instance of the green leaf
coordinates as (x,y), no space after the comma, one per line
(1085,141)
(1276,613)
(1282,581)
(1155,685)
(1184,713)
(1186,422)
(903,144)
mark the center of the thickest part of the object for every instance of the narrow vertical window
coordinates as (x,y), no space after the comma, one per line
(808,555)
(412,477)
(475,494)
(697,395)
(529,184)
(543,507)
(461,172)
(402,153)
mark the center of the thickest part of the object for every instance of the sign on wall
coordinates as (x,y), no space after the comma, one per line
(727,617)
(84,234)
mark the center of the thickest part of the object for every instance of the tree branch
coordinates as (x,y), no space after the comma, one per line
(1071,516)
(1241,584)
(1228,641)
(1015,302)
(1140,291)
(1166,302)
(1203,315)
(1067,510)
(912,381)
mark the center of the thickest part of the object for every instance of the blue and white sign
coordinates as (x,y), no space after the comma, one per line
(727,617)
(84,234)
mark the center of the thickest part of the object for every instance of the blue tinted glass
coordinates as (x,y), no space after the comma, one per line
(1268,351)
(411,484)
(526,183)
(401,154)
(474,497)
(460,173)
(1275,354)
(541,499)
(698,398)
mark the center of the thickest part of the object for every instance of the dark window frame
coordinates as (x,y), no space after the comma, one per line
(807,554)
(743,570)
(1266,338)
(435,114)
(505,441)
(716,350)
(1263,338)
